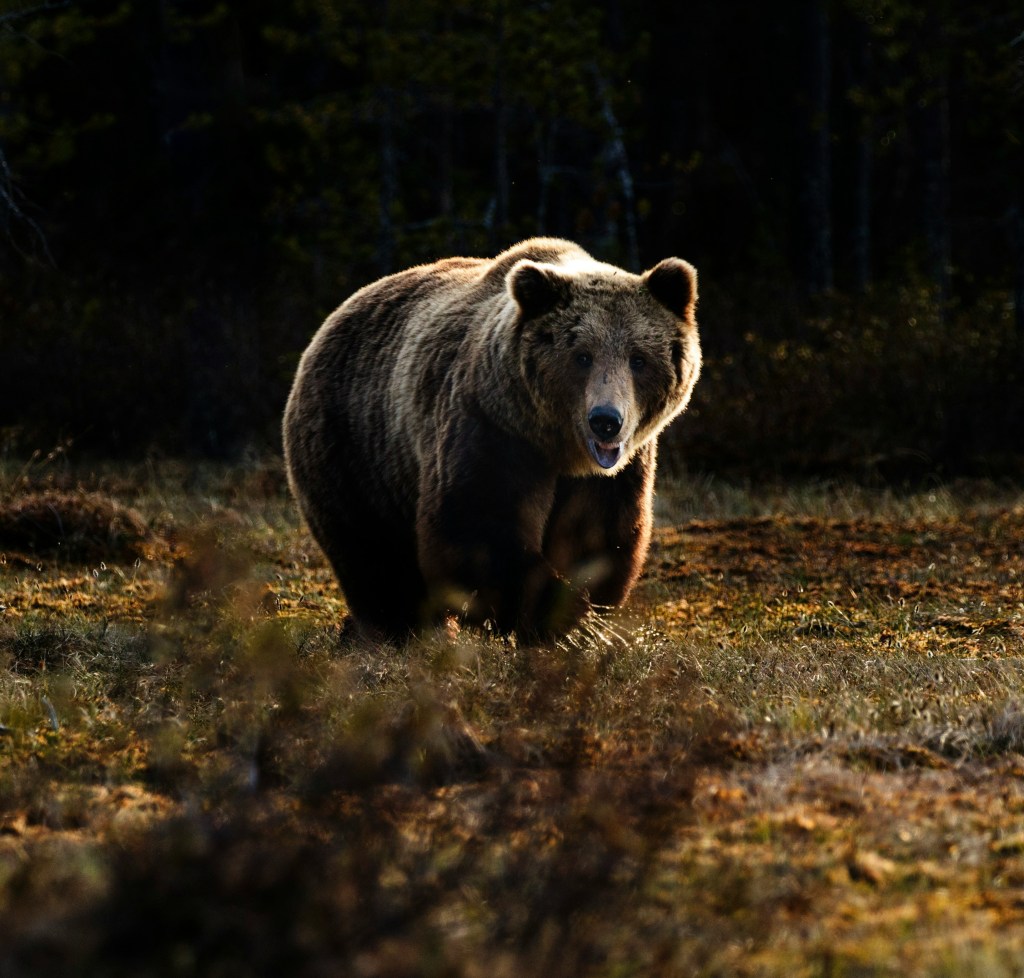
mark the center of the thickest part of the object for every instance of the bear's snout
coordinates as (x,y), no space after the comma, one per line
(605,422)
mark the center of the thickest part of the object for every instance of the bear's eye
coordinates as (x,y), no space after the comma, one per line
(637,361)
(584,359)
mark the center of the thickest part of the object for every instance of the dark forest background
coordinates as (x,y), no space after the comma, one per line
(187,188)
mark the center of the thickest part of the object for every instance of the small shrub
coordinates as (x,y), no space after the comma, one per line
(76,525)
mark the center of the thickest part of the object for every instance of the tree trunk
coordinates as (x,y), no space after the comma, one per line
(1016,219)
(189,157)
(935,137)
(936,192)
(388,193)
(620,161)
(816,196)
(501,179)
(545,170)
(446,169)
(863,170)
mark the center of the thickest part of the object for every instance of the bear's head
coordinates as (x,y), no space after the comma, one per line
(608,358)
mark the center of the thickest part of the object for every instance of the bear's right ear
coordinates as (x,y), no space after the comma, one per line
(536,288)
(673,282)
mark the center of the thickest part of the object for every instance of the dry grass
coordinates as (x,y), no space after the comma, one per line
(800,752)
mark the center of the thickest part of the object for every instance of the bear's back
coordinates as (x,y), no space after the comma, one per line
(553,251)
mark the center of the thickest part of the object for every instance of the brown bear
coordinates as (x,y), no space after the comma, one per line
(477,437)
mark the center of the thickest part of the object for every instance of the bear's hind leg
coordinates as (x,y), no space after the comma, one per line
(380,580)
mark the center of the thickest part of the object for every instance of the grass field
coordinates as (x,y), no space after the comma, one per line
(799,752)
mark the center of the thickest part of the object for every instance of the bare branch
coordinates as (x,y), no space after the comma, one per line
(11,211)
(9,205)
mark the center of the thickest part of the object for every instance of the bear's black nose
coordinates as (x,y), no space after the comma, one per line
(605,422)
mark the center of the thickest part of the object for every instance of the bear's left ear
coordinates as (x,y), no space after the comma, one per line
(536,288)
(673,282)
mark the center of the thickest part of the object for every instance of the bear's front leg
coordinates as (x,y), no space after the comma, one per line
(483,505)
(600,529)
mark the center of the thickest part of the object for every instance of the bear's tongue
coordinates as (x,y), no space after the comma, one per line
(605,455)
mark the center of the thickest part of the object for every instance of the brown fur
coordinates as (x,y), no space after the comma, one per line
(440,435)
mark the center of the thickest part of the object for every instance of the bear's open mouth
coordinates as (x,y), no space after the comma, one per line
(605,455)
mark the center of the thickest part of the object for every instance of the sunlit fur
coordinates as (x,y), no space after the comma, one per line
(439,442)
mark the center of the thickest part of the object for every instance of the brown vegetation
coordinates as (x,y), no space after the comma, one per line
(801,753)
(78,526)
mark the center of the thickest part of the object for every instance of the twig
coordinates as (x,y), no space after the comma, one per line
(10,197)
(54,720)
